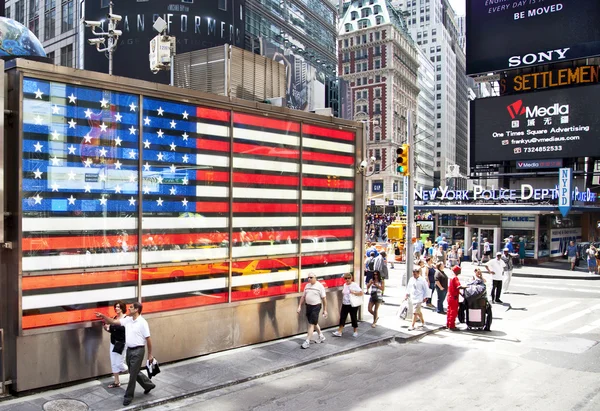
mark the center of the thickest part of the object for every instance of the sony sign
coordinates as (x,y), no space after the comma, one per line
(538,58)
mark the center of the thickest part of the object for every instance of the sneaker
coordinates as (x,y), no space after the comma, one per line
(321,339)
(411,328)
(355,335)
(306,344)
(337,334)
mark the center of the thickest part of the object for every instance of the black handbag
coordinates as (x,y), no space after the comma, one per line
(119,347)
(374,296)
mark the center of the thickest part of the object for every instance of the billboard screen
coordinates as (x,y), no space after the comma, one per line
(559,123)
(197,24)
(503,34)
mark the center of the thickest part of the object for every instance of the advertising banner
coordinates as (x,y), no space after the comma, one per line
(510,34)
(551,124)
(565,77)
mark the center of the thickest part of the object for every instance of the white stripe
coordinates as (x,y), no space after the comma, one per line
(579,290)
(262,222)
(326,196)
(250,279)
(546,301)
(327,170)
(568,318)
(154,223)
(328,271)
(183,287)
(311,247)
(212,191)
(210,160)
(327,221)
(212,129)
(327,145)
(256,164)
(77,297)
(548,313)
(265,193)
(260,250)
(56,262)
(267,137)
(194,254)
(79,223)
(587,328)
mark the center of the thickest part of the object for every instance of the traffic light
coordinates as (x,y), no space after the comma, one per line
(402,160)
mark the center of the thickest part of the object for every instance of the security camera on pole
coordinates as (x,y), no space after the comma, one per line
(162,49)
(112,35)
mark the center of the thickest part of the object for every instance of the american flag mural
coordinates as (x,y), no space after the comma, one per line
(291,187)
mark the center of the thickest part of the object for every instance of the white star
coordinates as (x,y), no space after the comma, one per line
(173,146)
(55,109)
(88,162)
(159,179)
(103,126)
(38,120)
(131,153)
(146,144)
(160,156)
(185,136)
(172,168)
(55,161)
(147,121)
(88,113)
(159,202)
(146,190)
(132,107)
(184,202)
(160,111)
(102,201)
(118,165)
(71,200)
(38,94)
(71,175)
(72,98)
(118,117)
(185,181)
(55,187)
(87,138)
(132,201)
(72,123)
(118,141)
(55,135)
(132,130)
(37,199)
(173,124)
(185,158)
(102,152)
(117,189)
(102,177)
(71,149)
(37,173)
(185,115)
(146,166)
(172,191)
(160,133)
(103,102)
(87,188)
(38,147)
(132,177)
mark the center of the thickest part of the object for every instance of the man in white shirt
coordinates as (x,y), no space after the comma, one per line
(137,334)
(417,289)
(314,294)
(496,268)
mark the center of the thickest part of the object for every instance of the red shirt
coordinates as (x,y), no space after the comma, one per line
(453,287)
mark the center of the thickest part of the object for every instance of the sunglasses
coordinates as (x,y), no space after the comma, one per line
(311,276)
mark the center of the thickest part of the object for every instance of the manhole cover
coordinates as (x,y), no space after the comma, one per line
(65,405)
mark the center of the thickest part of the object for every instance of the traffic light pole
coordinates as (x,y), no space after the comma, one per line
(410,211)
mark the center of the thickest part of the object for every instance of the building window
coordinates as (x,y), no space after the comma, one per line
(223,5)
(358,82)
(377,50)
(438,144)
(438,77)
(378,154)
(365,12)
(365,67)
(66,56)
(376,35)
(348,28)
(20,11)
(377,79)
(354,15)
(377,9)
(346,43)
(49,23)
(364,39)
(7,12)
(438,164)
(377,64)
(377,135)
(34,26)
(379,20)
(438,58)
(438,87)
(433,32)
(377,93)
(377,167)
(363,24)
(438,154)
(377,108)
(50,57)
(439,125)
(346,69)
(67,16)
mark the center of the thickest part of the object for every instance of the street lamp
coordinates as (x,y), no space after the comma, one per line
(112,35)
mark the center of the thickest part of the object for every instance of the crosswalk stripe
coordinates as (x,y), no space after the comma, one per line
(549,312)
(579,290)
(587,328)
(546,301)
(568,318)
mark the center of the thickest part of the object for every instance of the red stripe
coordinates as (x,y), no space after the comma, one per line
(259,121)
(184,302)
(264,208)
(265,179)
(327,158)
(329,283)
(212,145)
(79,242)
(266,151)
(212,207)
(212,176)
(79,279)
(325,182)
(327,208)
(60,318)
(190,239)
(340,233)
(212,114)
(328,132)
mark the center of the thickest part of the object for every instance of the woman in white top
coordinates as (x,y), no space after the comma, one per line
(349,288)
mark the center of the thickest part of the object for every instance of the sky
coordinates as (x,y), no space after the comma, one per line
(458,6)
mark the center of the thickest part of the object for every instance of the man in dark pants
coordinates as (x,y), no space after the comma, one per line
(137,334)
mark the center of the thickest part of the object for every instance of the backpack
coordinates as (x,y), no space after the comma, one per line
(371,264)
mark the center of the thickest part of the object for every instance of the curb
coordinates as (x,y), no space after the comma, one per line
(382,341)
(557,277)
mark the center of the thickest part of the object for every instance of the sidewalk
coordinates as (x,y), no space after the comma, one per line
(224,369)
(559,269)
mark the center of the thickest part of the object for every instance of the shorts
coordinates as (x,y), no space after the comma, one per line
(572,259)
(487,253)
(417,308)
(312,313)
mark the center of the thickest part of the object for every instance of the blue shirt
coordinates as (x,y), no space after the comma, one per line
(572,250)
(510,247)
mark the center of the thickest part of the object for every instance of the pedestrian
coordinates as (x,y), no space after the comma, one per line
(375,287)
(350,287)
(521,251)
(487,251)
(441,284)
(452,257)
(459,252)
(314,294)
(572,254)
(390,252)
(137,335)
(417,291)
(453,292)
(438,255)
(591,259)
(418,247)
(474,249)
(369,267)
(507,257)
(431,280)
(117,344)
(496,268)
(381,265)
